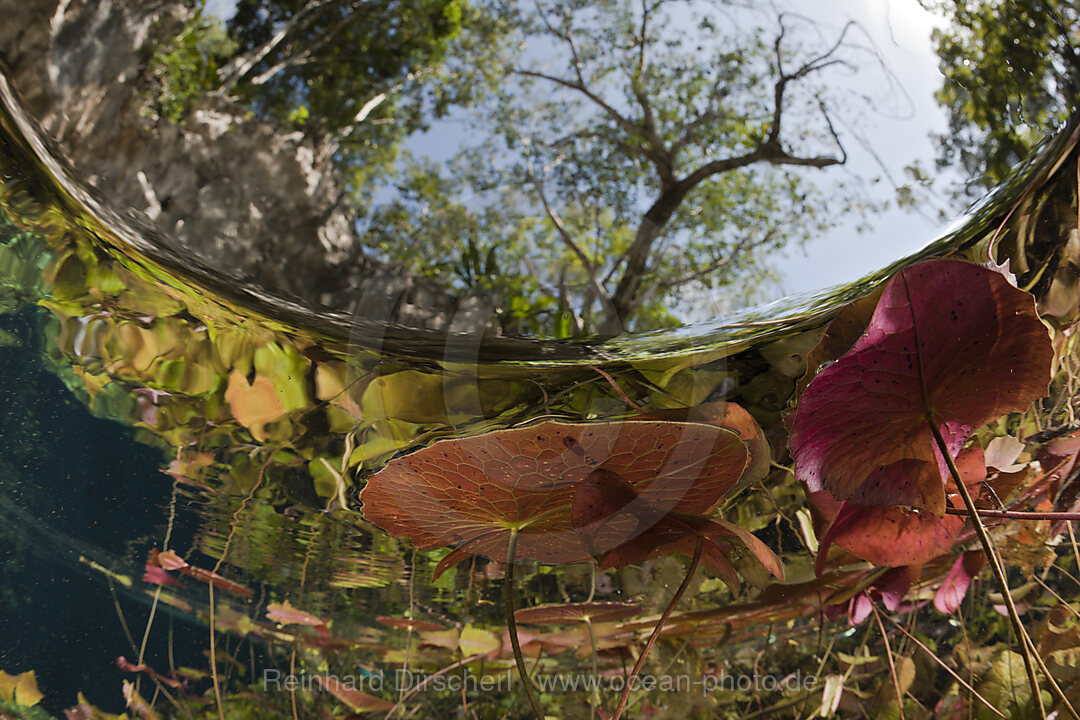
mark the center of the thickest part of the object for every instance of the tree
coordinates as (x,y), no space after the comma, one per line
(1012,73)
(360,75)
(658,152)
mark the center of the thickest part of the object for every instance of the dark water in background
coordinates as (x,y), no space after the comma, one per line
(72,485)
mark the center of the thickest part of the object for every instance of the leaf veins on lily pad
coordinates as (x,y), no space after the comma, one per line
(950,342)
(474,492)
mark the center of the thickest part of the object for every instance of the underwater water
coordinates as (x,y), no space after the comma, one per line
(270,509)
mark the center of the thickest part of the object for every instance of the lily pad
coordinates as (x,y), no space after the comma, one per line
(896,536)
(949,342)
(474,492)
(583,612)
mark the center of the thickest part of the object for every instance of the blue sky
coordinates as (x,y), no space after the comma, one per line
(901,30)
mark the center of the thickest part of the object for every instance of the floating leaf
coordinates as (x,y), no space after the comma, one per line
(584,612)
(358,701)
(843,332)
(408,395)
(253,404)
(473,492)
(897,536)
(949,341)
(158,576)
(286,614)
(408,623)
(734,417)
(169,560)
(469,640)
(20,689)
(622,527)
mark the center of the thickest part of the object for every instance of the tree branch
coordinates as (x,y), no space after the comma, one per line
(819,63)
(238,68)
(307,55)
(567,238)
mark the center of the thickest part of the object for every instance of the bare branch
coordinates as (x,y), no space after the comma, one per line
(614,114)
(818,63)
(307,55)
(649,149)
(238,68)
(567,238)
(744,245)
(655,150)
(643,37)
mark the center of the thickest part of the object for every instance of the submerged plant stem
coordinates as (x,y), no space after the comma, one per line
(660,626)
(892,664)
(1016,514)
(213,659)
(511,625)
(995,566)
(594,695)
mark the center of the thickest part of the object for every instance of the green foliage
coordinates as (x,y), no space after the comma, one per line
(362,78)
(335,57)
(1012,73)
(358,78)
(189,65)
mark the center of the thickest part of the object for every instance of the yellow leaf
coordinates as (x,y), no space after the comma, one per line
(253,405)
(409,395)
(20,689)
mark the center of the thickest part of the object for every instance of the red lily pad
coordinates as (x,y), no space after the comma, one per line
(731,416)
(896,536)
(286,614)
(157,575)
(582,612)
(169,560)
(622,527)
(408,624)
(358,701)
(474,492)
(949,341)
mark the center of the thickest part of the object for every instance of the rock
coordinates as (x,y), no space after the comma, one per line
(251,197)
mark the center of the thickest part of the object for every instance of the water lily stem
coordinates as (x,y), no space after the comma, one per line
(594,696)
(995,566)
(213,659)
(1017,514)
(511,625)
(660,626)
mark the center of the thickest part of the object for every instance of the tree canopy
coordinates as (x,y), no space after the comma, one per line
(359,74)
(618,159)
(645,152)
(1012,73)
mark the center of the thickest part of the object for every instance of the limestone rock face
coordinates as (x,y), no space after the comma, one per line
(252,198)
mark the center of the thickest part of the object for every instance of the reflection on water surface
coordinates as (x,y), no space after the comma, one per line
(186,462)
